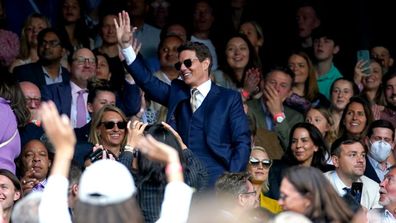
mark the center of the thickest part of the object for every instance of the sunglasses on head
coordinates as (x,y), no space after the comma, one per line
(186,63)
(111,124)
(256,162)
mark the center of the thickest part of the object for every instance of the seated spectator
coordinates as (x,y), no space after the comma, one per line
(389,82)
(321,118)
(355,119)
(380,143)
(236,194)
(341,91)
(270,112)
(48,69)
(306,148)
(349,159)
(258,167)
(305,91)
(26,209)
(381,52)
(28,41)
(10,193)
(35,162)
(306,191)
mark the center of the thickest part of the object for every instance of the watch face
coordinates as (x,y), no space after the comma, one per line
(280,119)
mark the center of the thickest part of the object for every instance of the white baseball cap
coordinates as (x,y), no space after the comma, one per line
(106,182)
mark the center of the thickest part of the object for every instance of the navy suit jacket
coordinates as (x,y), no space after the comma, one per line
(225,124)
(33,72)
(370,171)
(129,102)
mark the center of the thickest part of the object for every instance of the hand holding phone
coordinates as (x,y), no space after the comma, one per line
(356,191)
(364,56)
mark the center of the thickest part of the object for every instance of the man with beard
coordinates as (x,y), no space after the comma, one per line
(387,199)
(389,82)
(48,69)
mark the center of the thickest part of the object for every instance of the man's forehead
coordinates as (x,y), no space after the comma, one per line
(5,180)
(353,147)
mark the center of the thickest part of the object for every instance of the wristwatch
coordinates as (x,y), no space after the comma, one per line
(279,117)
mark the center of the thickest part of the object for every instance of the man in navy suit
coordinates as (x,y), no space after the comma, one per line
(216,129)
(380,144)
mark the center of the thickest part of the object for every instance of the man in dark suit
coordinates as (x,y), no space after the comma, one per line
(380,144)
(210,121)
(48,70)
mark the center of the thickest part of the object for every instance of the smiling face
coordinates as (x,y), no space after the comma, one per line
(108,30)
(113,137)
(303,147)
(341,93)
(390,92)
(300,68)
(373,81)
(237,53)
(35,156)
(259,172)
(8,193)
(197,73)
(355,119)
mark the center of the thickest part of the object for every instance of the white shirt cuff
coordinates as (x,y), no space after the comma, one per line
(129,55)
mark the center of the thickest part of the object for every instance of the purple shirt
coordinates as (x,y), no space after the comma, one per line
(8,126)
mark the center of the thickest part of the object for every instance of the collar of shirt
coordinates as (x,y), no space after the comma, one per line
(377,165)
(327,75)
(339,185)
(205,88)
(75,88)
(389,215)
(46,72)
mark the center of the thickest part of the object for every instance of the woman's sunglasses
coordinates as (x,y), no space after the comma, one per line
(187,63)
(256,162)
(111,124)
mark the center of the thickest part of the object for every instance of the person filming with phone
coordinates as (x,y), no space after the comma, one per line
(349,159)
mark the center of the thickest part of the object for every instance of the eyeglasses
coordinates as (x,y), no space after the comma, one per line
(111,124)
(256,162)
(187,63)
(33,100)
(51,43)
(82,60)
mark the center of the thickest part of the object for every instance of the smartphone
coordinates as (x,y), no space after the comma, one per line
(97,155)
(364,55)
(356,191)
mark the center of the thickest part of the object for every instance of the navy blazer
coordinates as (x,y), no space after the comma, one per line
(33,72)
(225,124)
(370,171)
(129,102)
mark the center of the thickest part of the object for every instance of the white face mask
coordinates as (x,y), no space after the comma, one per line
(380,150)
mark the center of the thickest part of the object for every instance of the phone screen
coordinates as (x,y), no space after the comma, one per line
(364,55)
(356,190)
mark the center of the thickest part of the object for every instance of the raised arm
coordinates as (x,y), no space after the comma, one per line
(53,206)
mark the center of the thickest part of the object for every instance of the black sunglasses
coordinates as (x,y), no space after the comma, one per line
(110,124)
(186,63)
(265,162)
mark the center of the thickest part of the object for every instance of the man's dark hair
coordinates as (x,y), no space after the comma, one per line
(336,146)
(201,50)
(381,124)
(281,68)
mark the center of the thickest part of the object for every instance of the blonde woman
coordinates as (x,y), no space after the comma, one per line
(259,166)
